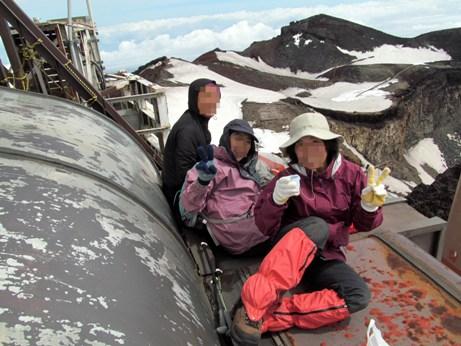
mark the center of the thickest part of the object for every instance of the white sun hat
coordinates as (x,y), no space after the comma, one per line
(309,124)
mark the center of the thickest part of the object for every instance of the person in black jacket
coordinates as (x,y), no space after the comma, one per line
(187,134)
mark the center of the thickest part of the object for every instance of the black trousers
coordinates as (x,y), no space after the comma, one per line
(332,274)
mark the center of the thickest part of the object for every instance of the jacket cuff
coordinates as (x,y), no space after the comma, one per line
(369,208)
(203,182)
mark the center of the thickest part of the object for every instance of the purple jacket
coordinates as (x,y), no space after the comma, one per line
(227,203)
(334,197)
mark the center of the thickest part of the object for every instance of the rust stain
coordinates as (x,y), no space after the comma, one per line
(452,323)
(408,308)
(396,262)
(438,310)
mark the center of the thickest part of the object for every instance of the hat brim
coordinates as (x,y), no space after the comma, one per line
(324,135)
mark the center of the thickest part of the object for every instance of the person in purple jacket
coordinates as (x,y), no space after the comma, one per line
(308,209)
(223,188)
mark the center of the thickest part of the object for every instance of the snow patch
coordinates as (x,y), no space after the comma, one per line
(394,185)
(296,39)
(233,95)
(397,54)
(270,141)
(260,65)
(426,152)
(348,97)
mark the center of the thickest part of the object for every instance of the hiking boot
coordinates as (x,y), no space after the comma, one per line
(245,332)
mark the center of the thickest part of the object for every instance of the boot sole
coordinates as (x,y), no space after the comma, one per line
(242,340)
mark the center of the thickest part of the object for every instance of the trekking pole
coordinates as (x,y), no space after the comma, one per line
(224,316)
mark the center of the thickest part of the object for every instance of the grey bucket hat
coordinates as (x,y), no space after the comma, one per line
(309,124)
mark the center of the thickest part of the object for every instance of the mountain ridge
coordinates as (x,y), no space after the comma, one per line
(407,101)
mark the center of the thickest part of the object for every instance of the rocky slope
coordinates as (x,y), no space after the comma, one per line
(426,98)
(436,199)
(319,43)
(316,46)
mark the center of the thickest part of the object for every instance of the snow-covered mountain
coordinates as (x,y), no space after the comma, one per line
(396,101)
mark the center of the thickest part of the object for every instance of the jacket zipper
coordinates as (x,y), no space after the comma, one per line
(311,312)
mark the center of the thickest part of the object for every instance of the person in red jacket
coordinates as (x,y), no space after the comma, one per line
(307,210)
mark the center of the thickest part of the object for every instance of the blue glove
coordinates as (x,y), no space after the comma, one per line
(205,167)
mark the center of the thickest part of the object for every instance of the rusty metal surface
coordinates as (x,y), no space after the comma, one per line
(408,306)
(88,249)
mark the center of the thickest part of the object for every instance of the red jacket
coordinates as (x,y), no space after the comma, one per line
(334,196)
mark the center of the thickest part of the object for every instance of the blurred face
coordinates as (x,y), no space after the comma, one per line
(240,144)
(208,100)
(311,153)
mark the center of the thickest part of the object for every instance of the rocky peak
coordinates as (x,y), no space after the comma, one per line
(449,40)
(340,32)
(321,42)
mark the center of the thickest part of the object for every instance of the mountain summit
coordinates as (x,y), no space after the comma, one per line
(320,42)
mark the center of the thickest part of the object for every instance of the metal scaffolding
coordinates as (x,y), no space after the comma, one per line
(40,62)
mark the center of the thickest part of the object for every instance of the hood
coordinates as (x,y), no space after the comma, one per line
(194,89)
(238,125)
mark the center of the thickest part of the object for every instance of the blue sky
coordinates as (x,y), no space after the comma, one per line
(137,31)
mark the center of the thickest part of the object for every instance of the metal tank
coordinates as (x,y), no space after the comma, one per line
(89,254)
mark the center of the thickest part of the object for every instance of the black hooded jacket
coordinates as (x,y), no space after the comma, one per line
(187,134)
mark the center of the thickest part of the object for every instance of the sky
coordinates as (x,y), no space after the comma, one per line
(135,32)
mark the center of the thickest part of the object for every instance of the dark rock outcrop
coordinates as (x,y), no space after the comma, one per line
(316,47)
(449,40)
(320,39)
(436,199)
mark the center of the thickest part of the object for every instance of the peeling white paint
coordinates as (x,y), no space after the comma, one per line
(83,254)
(69,336)
(102,301)
(30,319)
(12,262)
(37,243)
(23,295)
(15,334)
(96,328)
(160,267)
(101,249)
(94,343)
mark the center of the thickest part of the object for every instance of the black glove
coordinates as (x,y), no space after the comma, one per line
(205,167)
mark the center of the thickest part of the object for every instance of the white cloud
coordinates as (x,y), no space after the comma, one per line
(235,37)
(188,37)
